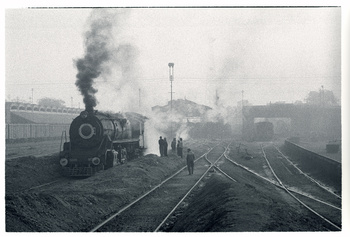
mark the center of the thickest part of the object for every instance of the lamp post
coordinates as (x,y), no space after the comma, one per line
(171,78)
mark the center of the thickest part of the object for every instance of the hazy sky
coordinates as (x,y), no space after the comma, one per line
(272,54)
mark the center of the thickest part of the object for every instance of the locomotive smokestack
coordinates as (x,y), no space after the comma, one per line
(89,109)
(97,53)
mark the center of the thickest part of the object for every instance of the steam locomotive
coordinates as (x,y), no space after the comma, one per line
(100,141)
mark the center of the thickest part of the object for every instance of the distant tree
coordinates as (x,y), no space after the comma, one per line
(321,97)
(51,102)
(298,102)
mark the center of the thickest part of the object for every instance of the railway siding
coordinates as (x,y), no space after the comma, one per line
(322,168)
(150,212)
(299,181)
(250,203)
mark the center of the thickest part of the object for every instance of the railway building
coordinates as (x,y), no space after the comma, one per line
(31,121)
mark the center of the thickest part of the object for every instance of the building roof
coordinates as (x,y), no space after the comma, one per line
(185,107)
(21,117)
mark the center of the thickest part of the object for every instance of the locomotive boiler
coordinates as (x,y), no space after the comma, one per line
(99,141)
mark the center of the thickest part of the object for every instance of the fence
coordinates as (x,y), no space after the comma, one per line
(33,131)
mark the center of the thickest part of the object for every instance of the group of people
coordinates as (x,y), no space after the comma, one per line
(163,150)
(163,146)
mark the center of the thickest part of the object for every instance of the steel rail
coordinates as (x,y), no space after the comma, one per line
(307,176)
(279,186)
(302,203)
(186,195)
(143,196)
(220,170)
(294,191)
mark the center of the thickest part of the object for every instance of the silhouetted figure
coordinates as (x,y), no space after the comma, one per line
(178,148)
(190,161)
(165,147)
(181,146)
(161,146)
(173,145)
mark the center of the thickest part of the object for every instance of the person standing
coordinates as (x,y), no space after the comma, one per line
(173,145)
(165,147)
(178,148)
(190,161)
(161,145)
(181,146)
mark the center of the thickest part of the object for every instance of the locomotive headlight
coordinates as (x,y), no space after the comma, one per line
(63,162)
(86,130)
(95,160)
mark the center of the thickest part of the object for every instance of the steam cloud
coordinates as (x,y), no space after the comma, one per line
(110,53)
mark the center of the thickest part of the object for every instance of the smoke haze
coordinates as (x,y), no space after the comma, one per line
(127,52)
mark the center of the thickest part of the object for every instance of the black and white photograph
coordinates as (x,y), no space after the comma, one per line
(174,117)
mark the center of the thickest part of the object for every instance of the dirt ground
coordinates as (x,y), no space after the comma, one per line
(223,207)
(250,204)
(76,204)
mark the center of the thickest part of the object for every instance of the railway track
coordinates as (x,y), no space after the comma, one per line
(288,182)
(148,208)
(312,202)
(332,192)
(146,213)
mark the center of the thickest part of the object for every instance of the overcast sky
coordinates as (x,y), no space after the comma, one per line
(272,54)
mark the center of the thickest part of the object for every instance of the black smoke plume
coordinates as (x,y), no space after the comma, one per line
(97,52)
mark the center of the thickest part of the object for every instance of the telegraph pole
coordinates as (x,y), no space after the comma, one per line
(242,115)
(171,78)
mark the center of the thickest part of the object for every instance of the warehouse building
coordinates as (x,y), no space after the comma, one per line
(31,121)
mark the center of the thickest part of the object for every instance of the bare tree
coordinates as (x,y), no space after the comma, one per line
(321,97)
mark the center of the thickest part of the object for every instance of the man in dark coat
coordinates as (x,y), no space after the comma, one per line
(180,148)
(190,161)
(165,147)
(173,145)
(161,146)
